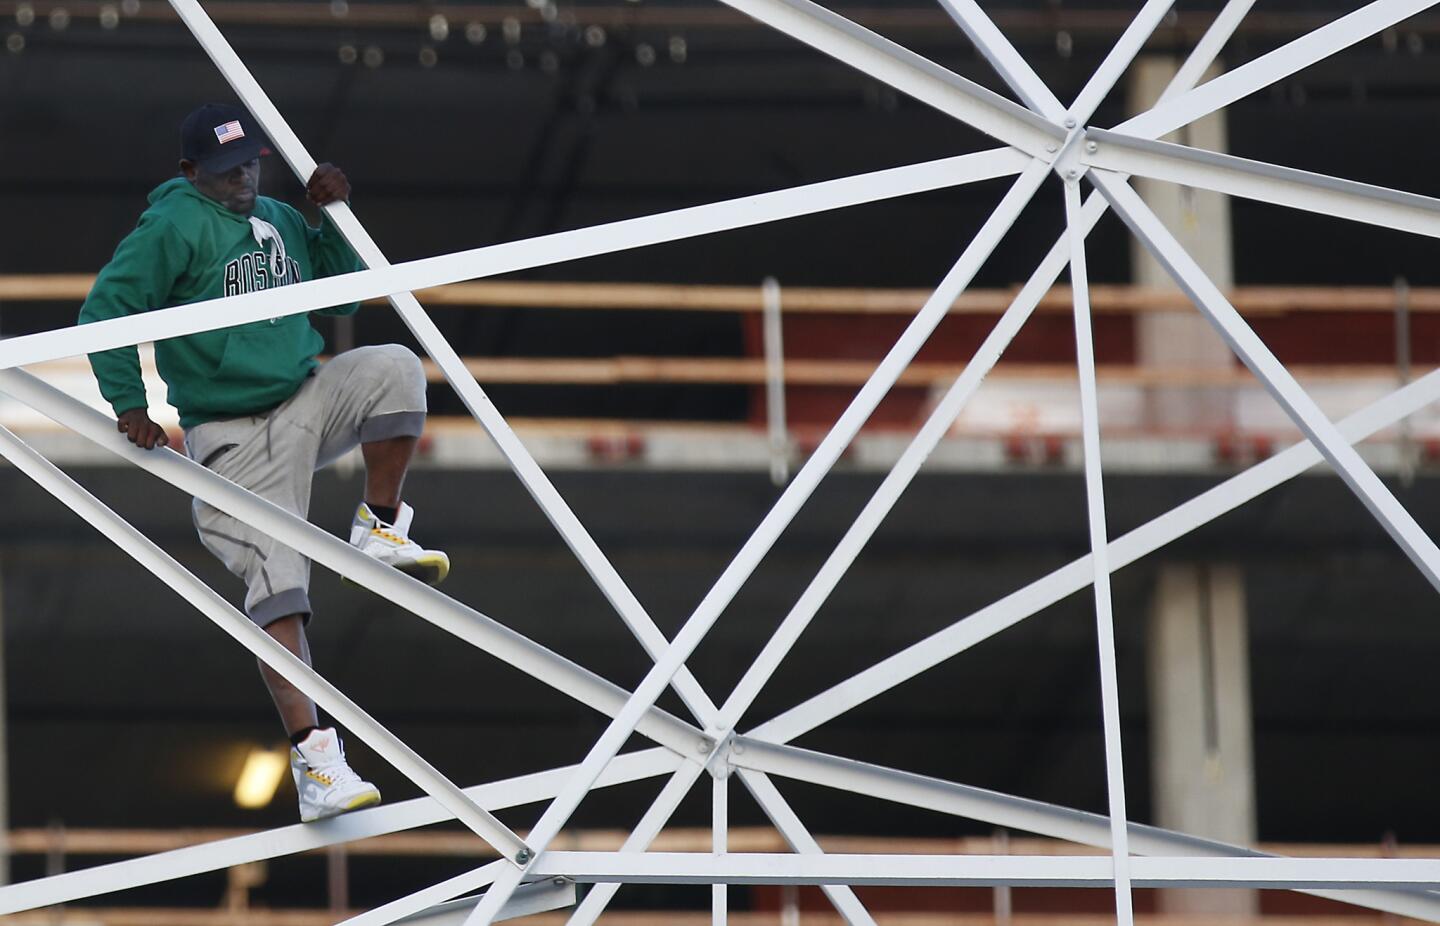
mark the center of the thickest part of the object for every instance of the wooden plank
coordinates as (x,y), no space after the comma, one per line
(174,916)
(82,841)
(613,371)
(1112,299)
(750,371)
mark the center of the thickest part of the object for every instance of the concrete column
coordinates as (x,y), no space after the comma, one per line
(1200,220)
(1202,765)
(1201,755)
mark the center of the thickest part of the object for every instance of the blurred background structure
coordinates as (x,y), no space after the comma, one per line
(1277,667)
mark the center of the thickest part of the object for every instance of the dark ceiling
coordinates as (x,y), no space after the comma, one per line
(581,114)
(573,123)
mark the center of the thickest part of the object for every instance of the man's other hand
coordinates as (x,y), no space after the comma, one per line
(136,425)
(327,185)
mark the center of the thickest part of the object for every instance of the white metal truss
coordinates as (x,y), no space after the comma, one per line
(1039,138)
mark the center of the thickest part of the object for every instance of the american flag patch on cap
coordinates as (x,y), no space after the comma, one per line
(229,131)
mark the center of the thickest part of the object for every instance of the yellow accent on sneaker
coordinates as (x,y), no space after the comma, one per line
(368,799)
(430,568)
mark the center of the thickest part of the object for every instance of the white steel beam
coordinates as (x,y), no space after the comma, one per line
(1024,814)
(1099,556)
(333,553)
(1278,381)
(529,899)
(639,840)
(1335,874)
(1017,73)
(771,802)
(1328,874)
(159,324)
(1071,578)
(432,896)
(906,71)
(779,516)
(1263,182)
(719,844)
(268,650)
(1269,68)
(1119,58)
(851,910)
(307,837)
(1207,49)
(787,868)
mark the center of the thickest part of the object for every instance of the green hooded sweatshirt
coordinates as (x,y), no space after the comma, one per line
(188,248)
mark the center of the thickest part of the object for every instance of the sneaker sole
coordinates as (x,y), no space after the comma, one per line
(431,570)
(368,799)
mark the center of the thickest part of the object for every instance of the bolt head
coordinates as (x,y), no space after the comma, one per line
(1072,174)
(1069,123)
(523,857)
(1091,147)
(702,746)
(1052,148)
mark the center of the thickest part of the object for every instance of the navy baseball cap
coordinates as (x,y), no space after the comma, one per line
(218,137)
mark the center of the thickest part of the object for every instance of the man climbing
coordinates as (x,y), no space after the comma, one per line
(255,404)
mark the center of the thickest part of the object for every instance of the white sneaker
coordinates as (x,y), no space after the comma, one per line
(391,544)
(326,784)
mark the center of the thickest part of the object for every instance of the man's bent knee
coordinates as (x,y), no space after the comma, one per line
(292,602)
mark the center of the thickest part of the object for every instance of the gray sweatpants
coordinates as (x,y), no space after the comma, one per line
(362,395)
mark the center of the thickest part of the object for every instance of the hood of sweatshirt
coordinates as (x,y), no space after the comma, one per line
(179,192)
(179,200)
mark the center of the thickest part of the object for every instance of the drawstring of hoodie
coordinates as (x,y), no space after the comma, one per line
(263,232)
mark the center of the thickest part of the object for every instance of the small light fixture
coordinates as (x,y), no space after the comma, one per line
(260,777)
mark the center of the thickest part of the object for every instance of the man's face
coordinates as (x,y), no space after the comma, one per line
(235,189)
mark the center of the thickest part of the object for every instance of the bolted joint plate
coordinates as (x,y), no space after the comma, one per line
(719,762)
(1068,163)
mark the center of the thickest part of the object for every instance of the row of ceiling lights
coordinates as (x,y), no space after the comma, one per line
(476,33)
(59,20)
(373,56)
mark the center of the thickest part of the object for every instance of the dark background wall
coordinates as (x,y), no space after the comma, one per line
(1342,640)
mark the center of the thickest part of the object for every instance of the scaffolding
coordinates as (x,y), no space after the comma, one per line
(1040,140)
